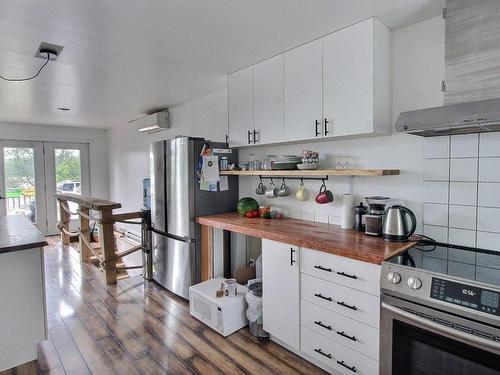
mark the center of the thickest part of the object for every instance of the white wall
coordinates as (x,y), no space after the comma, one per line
(418,68)
(99,178)
(129,150)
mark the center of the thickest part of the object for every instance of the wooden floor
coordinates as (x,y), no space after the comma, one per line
(137,327)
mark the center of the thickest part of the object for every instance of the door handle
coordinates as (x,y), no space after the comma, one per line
(323,268)
(249,133)
(326,126)
(319,351)
(346,305)
(319,295)
(343,334)
(255,132)
(316,124)
(342,363)
(318,322)
(292,261)
(347,275)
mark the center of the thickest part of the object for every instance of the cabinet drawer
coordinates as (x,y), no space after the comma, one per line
(338,357)
(358,336)
(349,302)
(341,270)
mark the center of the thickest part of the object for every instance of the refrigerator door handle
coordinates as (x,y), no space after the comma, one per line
(173,236)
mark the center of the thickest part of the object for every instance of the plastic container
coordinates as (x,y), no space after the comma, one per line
(254,310)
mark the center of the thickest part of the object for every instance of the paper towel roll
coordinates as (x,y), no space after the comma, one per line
(347,212)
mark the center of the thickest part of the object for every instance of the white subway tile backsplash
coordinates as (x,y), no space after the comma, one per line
(464,146)
(436,214)
(462,237)
(488,240)
(321,218)
(488,219)
(436,192)
(307,216)
(439,234)
(463,193)
(489,144)
(464,169)
(489,169)
(436,169)
(489,194)
(463,217)
(436,147)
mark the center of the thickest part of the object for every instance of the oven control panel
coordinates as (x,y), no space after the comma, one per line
(472,297)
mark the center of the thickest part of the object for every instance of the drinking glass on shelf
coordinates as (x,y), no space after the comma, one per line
(251,162)
(340,162)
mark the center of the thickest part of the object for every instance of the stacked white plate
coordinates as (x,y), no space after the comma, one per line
(285,162)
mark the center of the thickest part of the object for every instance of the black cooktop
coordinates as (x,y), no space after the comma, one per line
(465,262)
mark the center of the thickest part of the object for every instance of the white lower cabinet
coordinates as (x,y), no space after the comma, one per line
(346,331)
(280,283)
(323,313)
(335,355)
(345,301)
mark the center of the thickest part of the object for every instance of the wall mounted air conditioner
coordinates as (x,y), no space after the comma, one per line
(152,123)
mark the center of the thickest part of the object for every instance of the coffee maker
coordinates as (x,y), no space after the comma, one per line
(374,219)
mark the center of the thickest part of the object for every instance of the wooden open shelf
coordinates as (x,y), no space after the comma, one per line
(316,172)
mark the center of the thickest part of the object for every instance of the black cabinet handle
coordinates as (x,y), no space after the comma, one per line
(323,269)
(318,322)
(227,138)
(249,141)
(342,363)
(326,126)
(292,261)
(347,275)
(348,306)
(316,124)
(255,136)
(323,353)
(353,338)
(319,295)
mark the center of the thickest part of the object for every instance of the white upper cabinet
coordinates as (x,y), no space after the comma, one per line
(303,92)
(240,107)
(357,80)
(339,85)
(268,100)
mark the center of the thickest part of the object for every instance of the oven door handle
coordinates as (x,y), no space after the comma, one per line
(441,328)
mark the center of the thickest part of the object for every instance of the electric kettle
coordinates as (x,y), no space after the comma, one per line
(395,227)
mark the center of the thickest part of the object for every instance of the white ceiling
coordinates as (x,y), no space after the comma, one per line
(123,58)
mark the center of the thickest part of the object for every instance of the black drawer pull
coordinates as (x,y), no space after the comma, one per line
(323,353)
(316,124)
(318,322)
(323,269)
(249,133)
(347,275)
(292,261)
(353,338)
(348,306)
(342,363)
(319,295)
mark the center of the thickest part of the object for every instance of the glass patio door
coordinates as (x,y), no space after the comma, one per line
(22,181)
(32,172)
(67,171)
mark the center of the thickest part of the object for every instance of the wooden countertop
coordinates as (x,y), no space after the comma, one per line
(318,236)
(17,233)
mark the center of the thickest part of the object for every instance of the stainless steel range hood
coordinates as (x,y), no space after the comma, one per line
(464,118)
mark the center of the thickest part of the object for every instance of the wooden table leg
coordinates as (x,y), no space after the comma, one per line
(207,252)
(85,252)
(107,238)
(65,218)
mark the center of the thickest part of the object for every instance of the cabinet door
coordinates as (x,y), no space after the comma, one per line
(240,106)
(280,276)
(303,91)
(348,80)
(268,100)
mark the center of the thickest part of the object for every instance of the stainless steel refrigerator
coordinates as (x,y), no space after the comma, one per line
(176,199)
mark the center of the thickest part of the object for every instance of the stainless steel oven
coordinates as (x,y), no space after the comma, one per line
(437,323)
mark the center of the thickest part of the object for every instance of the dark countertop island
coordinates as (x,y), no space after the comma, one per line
(18,233)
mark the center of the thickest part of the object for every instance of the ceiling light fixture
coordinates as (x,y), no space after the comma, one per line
(46,51)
